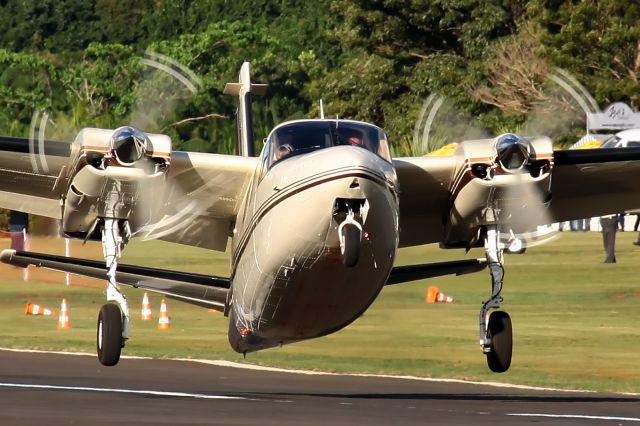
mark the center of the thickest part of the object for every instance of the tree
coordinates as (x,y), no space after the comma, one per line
(412,49)
(598,42)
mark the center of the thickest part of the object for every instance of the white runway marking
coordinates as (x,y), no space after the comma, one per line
(578,416)
(126,391)
(232,364)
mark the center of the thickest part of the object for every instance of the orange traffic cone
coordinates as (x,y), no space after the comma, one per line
(33,309)
(145,312)
(63,319)
(435,296)
(163,319)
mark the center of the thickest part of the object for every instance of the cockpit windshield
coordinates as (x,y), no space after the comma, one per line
(301,137)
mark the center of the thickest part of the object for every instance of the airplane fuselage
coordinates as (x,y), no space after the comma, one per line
(289,281)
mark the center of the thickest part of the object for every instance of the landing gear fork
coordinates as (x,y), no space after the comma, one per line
(350,234)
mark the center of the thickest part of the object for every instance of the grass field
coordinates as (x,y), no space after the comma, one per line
(576,320)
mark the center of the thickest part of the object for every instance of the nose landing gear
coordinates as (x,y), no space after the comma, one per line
(350,232)
(351,214)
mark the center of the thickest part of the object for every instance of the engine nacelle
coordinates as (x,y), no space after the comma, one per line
(117,174)
(504,181)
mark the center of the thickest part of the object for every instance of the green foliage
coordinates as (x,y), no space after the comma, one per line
(597,41)
(91,63)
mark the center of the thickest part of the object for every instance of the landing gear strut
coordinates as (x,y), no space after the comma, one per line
(496,337)
(113,320)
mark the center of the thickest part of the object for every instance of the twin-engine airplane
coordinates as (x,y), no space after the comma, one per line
(315,220)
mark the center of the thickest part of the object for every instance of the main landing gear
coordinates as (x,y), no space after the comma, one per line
(113,320)
(496,337)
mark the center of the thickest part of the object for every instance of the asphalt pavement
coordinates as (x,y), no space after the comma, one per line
(59,389)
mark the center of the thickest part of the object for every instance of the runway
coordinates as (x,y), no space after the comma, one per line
(57,389)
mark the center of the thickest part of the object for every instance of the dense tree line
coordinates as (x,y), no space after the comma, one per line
(493,61)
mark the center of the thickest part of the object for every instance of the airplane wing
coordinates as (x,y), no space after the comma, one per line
(202,192)
(29,175)
(403,274)
(205,193)
(595,182)
(424,184)
(198,198)
(582,183)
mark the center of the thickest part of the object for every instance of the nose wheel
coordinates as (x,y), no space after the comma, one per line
(350,233)
(352,236)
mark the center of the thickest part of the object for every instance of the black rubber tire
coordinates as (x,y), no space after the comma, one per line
(499,330)
(109,337)
(352,245)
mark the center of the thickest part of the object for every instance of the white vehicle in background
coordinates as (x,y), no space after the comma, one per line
(623,139)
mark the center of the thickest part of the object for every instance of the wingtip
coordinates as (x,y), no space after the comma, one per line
(6,255)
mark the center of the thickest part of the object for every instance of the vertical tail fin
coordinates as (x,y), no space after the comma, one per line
(244,89)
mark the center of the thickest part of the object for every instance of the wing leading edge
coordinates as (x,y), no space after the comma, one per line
(403,274)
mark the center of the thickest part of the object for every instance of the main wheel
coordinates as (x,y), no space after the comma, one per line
(351,250)
(109,341)
(499,331)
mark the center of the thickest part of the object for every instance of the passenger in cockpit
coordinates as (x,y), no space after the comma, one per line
(353,137)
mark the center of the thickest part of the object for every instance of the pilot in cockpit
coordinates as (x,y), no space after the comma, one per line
(353,137)
(284,146)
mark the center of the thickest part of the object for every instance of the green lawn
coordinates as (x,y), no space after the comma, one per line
(576,320)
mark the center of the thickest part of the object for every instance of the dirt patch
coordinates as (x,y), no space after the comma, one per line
(622,296)
(53,246)
(40,295)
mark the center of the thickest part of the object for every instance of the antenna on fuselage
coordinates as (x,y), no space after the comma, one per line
(244,89)
(321,110)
